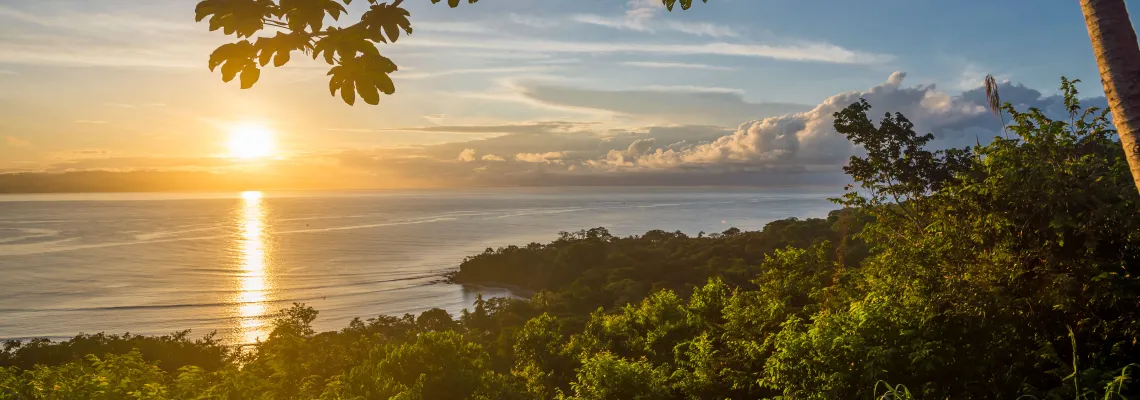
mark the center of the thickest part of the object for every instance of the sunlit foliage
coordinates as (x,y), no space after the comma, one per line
(1004,271)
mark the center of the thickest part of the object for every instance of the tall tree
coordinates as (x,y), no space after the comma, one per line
(1118,57)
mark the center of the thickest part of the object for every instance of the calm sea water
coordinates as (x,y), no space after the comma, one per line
(159,263)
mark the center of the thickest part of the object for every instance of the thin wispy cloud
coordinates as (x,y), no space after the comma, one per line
(531,20)
(469,71)
(640,16)
(96,23)
(451,27)
(694,89)
(611,22)
(68,38)
(803,51)
(642,25)
(676,65)
(702,29)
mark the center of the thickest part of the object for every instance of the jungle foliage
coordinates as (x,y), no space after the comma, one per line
(1000,271)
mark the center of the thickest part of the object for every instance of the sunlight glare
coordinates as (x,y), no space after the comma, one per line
(253,285)
(250,141)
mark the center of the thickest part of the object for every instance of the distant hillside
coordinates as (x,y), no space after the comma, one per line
(136,181)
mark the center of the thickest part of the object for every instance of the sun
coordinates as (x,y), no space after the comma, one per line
(250,141)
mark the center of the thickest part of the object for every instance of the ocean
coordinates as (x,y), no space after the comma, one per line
(157,263)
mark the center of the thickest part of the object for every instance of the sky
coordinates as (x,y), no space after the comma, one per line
(521,92)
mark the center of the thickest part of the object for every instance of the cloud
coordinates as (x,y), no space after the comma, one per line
(94,22)
(104,162)
(808,139)
(640,14)
(144,105)
(796,148)
(546,126)
(473,71)
(637,17)
(82,153)
(790,147)
(13,141)
(467,155)
(799,51)
(531,21)
(668,104)
(58,36)
(451,27)
(548,157)
(616,23)
(702,29)
(654,64)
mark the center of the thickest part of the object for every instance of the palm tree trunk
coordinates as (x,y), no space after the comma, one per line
(1118,56)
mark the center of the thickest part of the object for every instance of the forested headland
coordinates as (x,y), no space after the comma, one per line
(1002,271)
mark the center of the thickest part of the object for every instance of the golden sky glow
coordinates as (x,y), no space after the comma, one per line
(251,141)
(491,96)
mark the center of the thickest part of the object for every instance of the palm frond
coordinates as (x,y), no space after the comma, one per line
(993,99)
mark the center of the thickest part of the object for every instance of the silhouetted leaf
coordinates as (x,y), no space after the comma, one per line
(366,74)
(233,58)
(336,78)
(241,17)
(230,70)
(343,43)
(281,59)
(367,89)
(281,45)
(301,13)
(383,19)
(249,76)
(455,3)
(347,93)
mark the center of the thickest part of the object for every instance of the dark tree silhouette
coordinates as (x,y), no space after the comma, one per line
(357,67)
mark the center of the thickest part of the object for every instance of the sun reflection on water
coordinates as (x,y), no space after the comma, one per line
(253,285)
